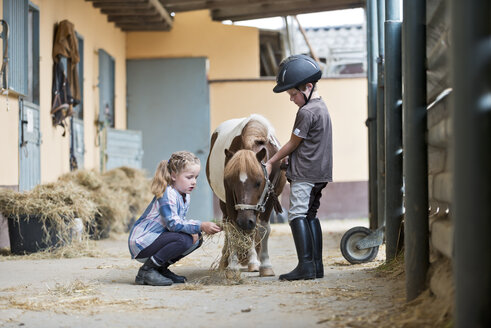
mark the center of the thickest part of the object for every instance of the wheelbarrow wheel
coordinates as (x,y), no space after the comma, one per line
(348,246)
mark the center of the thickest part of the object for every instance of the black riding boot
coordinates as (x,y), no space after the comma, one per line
(149,275)
(303,243)
(315,229)
(164,270)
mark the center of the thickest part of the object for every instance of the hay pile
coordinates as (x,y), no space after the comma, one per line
(103,202)
(55,205)
(132,189)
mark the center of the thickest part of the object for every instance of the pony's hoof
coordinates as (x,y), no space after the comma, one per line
(266,272)
(252,267)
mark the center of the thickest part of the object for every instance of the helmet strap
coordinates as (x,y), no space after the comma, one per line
(310,94)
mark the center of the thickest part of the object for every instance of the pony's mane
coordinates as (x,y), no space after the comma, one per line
(243,161)
(254,134)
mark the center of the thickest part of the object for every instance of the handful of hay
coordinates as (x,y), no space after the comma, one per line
(236,241)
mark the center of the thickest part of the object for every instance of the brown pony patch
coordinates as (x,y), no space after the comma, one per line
(243,161)
(254,135)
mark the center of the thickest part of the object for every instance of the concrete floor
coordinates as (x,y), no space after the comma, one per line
(99,291)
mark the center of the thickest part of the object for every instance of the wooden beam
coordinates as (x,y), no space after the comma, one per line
(163,12)
(179,6)
(306,38)
(143,27)
(113,1)
(188,5)
(135,18)
(266,10)
(121,4)
(129,12)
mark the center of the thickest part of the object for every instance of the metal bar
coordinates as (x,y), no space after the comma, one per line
(393,10)
(394,207)
(471,48)
(380,116)
(415,159)
(371,122)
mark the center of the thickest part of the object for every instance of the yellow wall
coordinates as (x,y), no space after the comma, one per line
(9,141)
(97,33)
(345,99)
(233,51)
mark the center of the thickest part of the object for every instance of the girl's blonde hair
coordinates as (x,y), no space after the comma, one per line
(177,162)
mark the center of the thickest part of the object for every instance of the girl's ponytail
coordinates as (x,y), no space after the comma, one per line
(160,179)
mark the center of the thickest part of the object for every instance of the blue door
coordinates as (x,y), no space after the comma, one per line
(106,102)
(29,133)
(106,88)
(168,100)
(29,148)
(77,145)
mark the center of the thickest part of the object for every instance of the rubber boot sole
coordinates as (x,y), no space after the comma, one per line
(141,281)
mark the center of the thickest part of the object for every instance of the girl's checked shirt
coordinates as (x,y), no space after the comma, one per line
(167,213)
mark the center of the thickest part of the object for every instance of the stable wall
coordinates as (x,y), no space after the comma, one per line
(345,99)
(347,195)
(9,141)
(232,51)
(233,54)
(237,91)
(97,33)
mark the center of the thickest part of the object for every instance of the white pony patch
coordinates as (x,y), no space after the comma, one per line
(243,177)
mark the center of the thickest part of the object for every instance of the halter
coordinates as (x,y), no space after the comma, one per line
(267,191)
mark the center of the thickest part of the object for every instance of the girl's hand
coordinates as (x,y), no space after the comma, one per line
(195,238)
(210,228)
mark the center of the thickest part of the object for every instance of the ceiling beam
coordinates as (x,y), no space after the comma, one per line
(121,4)
(246,12)
(134,19)
(189,5)
(131,27)
(163,12)
(124,12)
(129,12)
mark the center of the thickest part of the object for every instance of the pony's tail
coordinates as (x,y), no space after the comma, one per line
(160,179)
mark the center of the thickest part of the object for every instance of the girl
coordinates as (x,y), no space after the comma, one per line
(163,235)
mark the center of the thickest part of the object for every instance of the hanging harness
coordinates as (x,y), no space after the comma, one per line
(268,191)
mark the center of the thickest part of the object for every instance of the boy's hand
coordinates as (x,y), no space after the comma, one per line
(195,237)
(269,168)
(210,228)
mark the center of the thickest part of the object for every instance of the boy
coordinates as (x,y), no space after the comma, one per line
(310,162)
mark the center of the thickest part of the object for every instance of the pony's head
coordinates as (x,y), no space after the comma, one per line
(244,182)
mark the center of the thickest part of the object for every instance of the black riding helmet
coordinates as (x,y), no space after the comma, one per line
(295,71)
